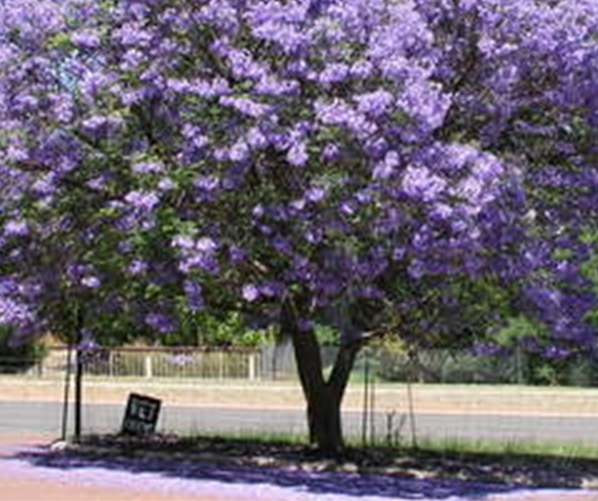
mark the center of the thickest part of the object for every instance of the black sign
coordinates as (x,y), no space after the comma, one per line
(141,415)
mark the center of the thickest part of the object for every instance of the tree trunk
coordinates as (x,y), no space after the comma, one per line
(324,421)
(323,397)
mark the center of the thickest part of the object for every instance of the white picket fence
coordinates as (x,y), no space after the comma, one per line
(228,363)
(276,363)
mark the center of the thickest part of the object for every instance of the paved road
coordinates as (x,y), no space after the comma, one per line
(45,417)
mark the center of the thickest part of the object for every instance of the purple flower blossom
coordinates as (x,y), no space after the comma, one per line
(13,312)
(250,293)
(88,343)
(16,228)
(487,349)
(306,325)
(17,153)
(255,138)
(245,106)
(99,126)
(137,267)
(195,136)
(147,168)
(197,254)
(161,322)
(334,73)
(297,155)
(237,254)
(166,184)
(63,108)
(271,86)
(239,151)
(45,184)
(348,208)
(91,282)
(132,59)
(374,103)
(210,89)
(271,289)
(330,152)
(557,353)
(426,103)
(315,194)
(387,167)
(206,183)
(362,69)
(88,39)
(194,294)
(97,183)
(92,84)
(144,201)
(420,182)
(416,269)
(184,242)
(206,244)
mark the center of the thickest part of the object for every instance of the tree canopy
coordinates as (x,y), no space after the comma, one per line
(346,156)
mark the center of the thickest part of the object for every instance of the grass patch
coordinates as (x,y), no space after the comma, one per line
(510,448)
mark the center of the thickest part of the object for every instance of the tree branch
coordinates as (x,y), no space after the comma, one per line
(307,349)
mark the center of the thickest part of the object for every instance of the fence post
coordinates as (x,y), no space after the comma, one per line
(221,364)
(111,363)
(519,365)
(252,366)
(148,366)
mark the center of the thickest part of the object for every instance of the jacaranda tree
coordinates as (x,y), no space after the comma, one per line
(338,159)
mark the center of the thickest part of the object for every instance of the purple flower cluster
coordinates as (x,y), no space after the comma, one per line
(161,322)
(197,254)
(340,150)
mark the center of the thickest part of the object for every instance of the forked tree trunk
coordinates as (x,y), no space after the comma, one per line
(323,397)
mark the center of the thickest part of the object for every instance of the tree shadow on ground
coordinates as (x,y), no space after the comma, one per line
(373,473)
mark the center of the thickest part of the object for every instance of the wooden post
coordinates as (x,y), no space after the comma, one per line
(148,370)
(111,363)
(372,408)
(366,402)
(78,392)
(79,323)
(410,378)
(252,366)
(67,386)
(220,364)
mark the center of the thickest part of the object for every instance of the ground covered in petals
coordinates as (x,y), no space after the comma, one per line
(238,469)
(407,463)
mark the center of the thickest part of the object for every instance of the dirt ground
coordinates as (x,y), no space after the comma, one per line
(19,489)
(29,485)
(461,399)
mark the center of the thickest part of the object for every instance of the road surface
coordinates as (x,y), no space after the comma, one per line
(46,417)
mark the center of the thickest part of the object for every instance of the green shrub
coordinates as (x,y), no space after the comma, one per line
(15,359)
